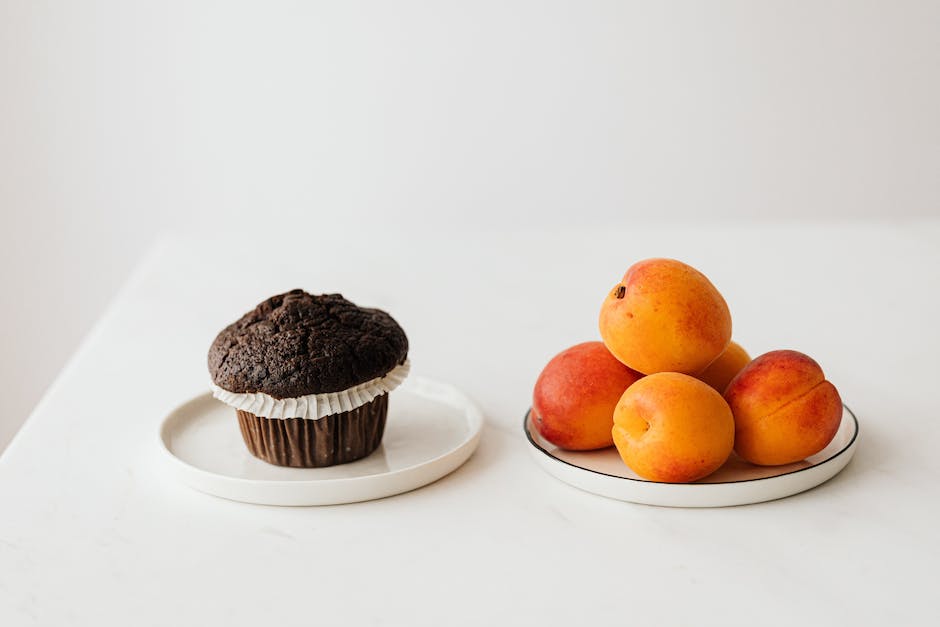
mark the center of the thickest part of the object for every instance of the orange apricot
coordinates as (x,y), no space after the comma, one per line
(671,427)
(784,409)
(665,316)
(719,373)
(574,398)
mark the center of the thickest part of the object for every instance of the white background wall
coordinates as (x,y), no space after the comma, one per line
(122,119)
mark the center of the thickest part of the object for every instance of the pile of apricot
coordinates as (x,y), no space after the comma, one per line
(671,390)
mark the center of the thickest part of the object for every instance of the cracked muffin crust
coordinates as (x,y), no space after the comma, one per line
(297,343)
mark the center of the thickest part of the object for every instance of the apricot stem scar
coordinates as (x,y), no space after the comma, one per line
(621,291)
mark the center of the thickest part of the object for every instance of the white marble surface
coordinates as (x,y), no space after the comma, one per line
(92,534)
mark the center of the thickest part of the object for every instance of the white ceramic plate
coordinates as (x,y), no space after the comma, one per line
(736,483)
(432,428)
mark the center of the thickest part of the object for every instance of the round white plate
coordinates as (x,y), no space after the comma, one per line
(736,483)
(432,428)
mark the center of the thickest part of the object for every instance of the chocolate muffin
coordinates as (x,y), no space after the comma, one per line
(309,377)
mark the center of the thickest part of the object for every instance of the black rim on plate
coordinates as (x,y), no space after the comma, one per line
(539,447)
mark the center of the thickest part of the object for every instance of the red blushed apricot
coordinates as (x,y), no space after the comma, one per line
(720,372)
(784,409)
(672,427)
(575,395)
(665,316)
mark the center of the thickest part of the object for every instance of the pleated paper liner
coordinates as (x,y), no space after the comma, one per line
(314,406)
(304,443)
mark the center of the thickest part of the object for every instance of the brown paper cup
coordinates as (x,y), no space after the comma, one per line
(303,443)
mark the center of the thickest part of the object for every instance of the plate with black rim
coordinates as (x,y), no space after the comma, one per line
(736,483)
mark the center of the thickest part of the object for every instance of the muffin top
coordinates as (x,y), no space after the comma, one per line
(297,343)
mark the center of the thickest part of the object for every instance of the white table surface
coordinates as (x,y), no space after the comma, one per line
(91,532)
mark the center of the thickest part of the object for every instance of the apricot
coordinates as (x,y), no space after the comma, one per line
(665,316)
(784,409)
(719,373)
(672,427)
(574,398)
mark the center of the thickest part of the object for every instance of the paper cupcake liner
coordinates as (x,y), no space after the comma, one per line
(314,406)
(305,443)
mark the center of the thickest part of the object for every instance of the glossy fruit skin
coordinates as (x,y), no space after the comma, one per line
(665,316)
(726,367)
(575,395)
(673,428)
(784,408)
